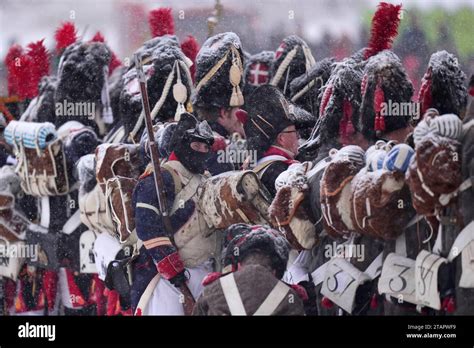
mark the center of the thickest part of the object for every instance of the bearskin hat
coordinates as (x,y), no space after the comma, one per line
(269,113)
(293,58)
(443,85)
(339,107)
(82,73)
(42,107)
(257,71)
(166,68)
(219,70)
(261,239)
(385,81)
(304,90)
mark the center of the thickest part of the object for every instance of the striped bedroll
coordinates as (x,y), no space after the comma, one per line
(32,134)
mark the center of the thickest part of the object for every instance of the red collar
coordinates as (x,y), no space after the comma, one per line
(173,157)
(275,150)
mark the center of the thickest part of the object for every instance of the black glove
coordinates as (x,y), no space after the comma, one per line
(178,279)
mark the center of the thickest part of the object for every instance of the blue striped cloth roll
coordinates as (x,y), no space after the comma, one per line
(398,158)
(31,134)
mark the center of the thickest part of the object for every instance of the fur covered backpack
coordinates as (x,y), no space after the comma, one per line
(117,172)
(335,189)
(380,198)
(287,210)
(435,174)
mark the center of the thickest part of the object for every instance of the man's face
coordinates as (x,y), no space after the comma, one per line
(288,139)
(229,120)
(200,147)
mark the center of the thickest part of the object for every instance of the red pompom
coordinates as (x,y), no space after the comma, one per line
(13,64)
(374,303)
(161,22)
(327,303)
(384,28)
(219,143)
(98,37)
(190,48)
(242,116)
(301,291)
(210,278)
(449,305)
(65,35)
(114,61)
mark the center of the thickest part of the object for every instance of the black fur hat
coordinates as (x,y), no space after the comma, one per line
(81,79)
(384,81)
(257,71)
(219,70)
(166,65)
(42,107)
(305,89)
(261,239)
(293,58)
(339,106)
(443,86)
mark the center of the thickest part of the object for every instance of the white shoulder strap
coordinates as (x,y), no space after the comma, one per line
(273,299)
(232,295)
(146,296)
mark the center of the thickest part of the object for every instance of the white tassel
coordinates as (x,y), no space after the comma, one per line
(107,114)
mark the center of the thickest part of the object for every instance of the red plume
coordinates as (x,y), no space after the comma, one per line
(114,63)
(161,22)
(190,48)
(384,28)
(33,66)
(13,64)
(98,37)
(65,35)
(40,58)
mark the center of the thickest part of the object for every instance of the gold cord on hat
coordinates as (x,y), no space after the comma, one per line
(235,75)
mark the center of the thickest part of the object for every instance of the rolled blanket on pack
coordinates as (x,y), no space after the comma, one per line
(32,135)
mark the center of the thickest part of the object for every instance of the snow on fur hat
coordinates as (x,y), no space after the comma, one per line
(219,70)
(82,74)
(304,90)
(42,108)
(271,242)
(169,85)
(263,239)
(443,85)
(293,58)
(257,71)
(339,106)
(384,81)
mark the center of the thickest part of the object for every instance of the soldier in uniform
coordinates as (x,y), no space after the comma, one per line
(271,132)
(218,95)
(170,259)
(255,287)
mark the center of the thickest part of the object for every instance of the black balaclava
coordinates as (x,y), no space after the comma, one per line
(190,130)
